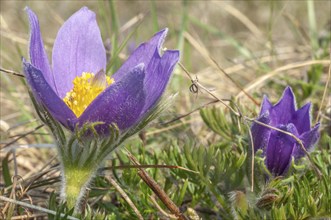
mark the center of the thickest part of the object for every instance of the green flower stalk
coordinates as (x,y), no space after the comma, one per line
(89,113)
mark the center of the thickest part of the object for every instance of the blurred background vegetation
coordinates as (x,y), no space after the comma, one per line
(262,45)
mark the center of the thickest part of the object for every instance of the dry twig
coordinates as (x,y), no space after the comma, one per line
(157,190)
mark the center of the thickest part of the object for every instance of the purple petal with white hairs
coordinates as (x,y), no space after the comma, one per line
(143,54)
(120,103)
(78,48)
(265,106)
(301,118)
(279,150)
(282,112)
(47,97)
(309,139)
(38,55)
(261,133)
(157,76)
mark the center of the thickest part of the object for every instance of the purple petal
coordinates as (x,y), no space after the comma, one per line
(301,119)
(78,48)
(47,97)
(282,112)
(279,150)
(143,54)
(120,103)
(309,139)
(261,133)
(265,106)
(38,55)
(157,76)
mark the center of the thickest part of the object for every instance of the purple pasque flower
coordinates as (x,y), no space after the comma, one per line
(75,89)
(279,148)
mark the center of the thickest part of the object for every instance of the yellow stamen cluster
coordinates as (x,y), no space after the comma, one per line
(84,92)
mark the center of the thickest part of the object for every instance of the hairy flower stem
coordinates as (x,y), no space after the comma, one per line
(74,185)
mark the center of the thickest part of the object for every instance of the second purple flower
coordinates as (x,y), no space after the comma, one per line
(278,147)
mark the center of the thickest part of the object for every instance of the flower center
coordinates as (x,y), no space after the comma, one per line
(86,88)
